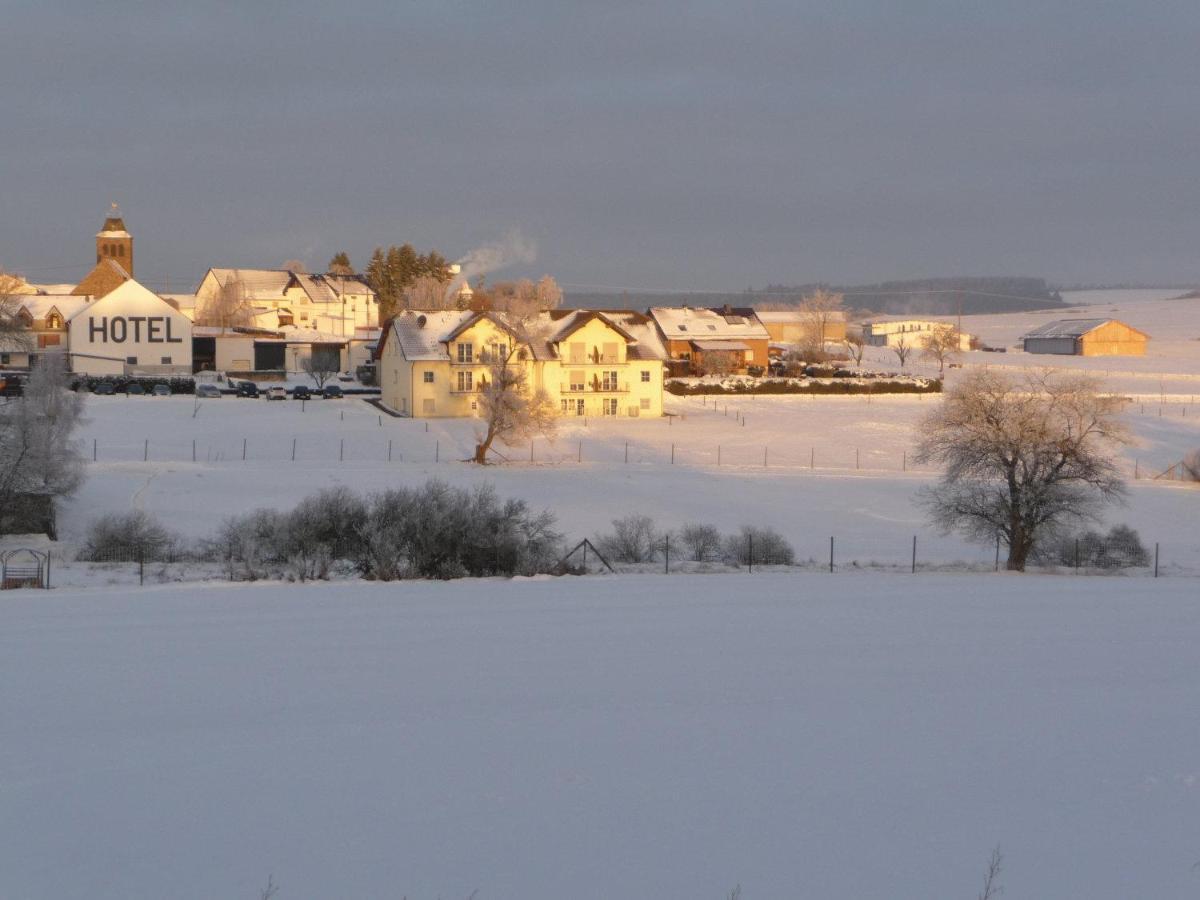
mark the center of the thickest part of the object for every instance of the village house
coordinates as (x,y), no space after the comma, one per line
(1086,337)
(712,341)
(278,298)
(45,318)
(588,362)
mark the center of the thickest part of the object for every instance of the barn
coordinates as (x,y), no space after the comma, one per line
(1086,337)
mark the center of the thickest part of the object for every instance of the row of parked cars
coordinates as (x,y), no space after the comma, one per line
(299,392)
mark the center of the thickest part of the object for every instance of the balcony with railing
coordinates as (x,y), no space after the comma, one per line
(595,387)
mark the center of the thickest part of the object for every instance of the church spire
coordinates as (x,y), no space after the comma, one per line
(114,242)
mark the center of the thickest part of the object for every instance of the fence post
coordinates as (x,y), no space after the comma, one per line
(856,452)
(831,553)
(750,555)
(243,449)
(672,454)
(1135,470)
(381,421)
(427,427)
(904,462)
(531,449)
(294,449)
(718,454)
(812,457)
(667,554)
(997,569)
(49,554)
(437,451)
(146,450)
(914,563)
(764,457)
(389,449)
(627,453)
(193,449)
(341,449)
(1076,556)
(93,449)
(141,567)
(1156,559)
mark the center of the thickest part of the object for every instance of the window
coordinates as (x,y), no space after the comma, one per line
(645,403)
(563,402)
(466,353)
(610,407)
(579,408)
(49,340)
(166,360)
(645,376)
(427,377)
(610,382)
(120,250)
(5,359)
(474,406)
(53,321)
(427,406)
(578,352)
(131,360)
(577,380)
(464,380)
(610,353)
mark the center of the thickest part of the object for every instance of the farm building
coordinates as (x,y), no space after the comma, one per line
(912,332)
(794,326)
(1086,337)
(725,339)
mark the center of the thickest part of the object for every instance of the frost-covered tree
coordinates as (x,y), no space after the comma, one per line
(512,410)
(38,453)
(14,335)
(855,347)
(902,348)
(320,367)
(818,310)
(702,542)
(226,306)
(1022,456)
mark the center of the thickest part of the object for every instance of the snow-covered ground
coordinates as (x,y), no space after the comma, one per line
(848,736)
(809,489)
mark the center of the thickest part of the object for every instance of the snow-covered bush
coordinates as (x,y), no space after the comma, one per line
(1121,548)
(632,540)
(251,545)
(702,542)
(128,537)
(322,528)
(1191,466)
(760,546)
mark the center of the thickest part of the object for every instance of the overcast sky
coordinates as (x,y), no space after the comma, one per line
(668,146)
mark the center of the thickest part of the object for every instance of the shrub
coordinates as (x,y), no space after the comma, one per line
(760,546)
(861,383)
(702,542)
(128,537)
(251,545)
(1121,548)
(321,529)
(632,540)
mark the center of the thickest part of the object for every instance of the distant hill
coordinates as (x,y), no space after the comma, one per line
(929,296)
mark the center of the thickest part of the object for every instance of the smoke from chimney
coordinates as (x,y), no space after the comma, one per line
(513,249)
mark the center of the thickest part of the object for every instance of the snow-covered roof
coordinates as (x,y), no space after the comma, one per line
(684,323)
(270,284)
(422,335)
(40,305)
(1066,328)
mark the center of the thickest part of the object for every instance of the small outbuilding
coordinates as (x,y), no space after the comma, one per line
(1086,337)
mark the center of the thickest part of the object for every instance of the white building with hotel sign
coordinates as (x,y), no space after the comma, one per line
(130,331)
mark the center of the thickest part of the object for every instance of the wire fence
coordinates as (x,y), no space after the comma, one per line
(900,554)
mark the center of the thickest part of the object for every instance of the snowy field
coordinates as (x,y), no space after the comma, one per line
(864,736)
(809,489)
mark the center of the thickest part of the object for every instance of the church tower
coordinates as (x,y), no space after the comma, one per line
(114,242)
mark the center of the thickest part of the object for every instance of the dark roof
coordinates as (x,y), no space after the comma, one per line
(1066,328)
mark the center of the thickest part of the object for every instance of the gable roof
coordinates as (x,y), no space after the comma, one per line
(41,305)
(685,323)
(425,339)
(129,291)
(1072,328)
(271,284)
(106,277)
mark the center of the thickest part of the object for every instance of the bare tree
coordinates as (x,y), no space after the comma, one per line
(818,310)
(13,333)
(1022,457)
(902,348)
(226,306)
(941,344)
(991,879)
(855,347)
(428,292)
(1191,466)
(524,299)
(293,265)
(703,542)
(510,408)
(319,367)
(38,455)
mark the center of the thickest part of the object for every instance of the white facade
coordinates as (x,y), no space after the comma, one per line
(130,330)
(909,331)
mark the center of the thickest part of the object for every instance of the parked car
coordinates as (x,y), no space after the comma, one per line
(134,390)
(11,385)
(161,390)
(247,389)
(332,392)
(345,376)
(301,392)
(208,391)
(276,393)
(104,388)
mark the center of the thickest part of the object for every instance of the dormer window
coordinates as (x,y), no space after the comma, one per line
(54,320)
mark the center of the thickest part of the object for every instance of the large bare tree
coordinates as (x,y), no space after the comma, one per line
(902,348)
(511,408)
(1023,457)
